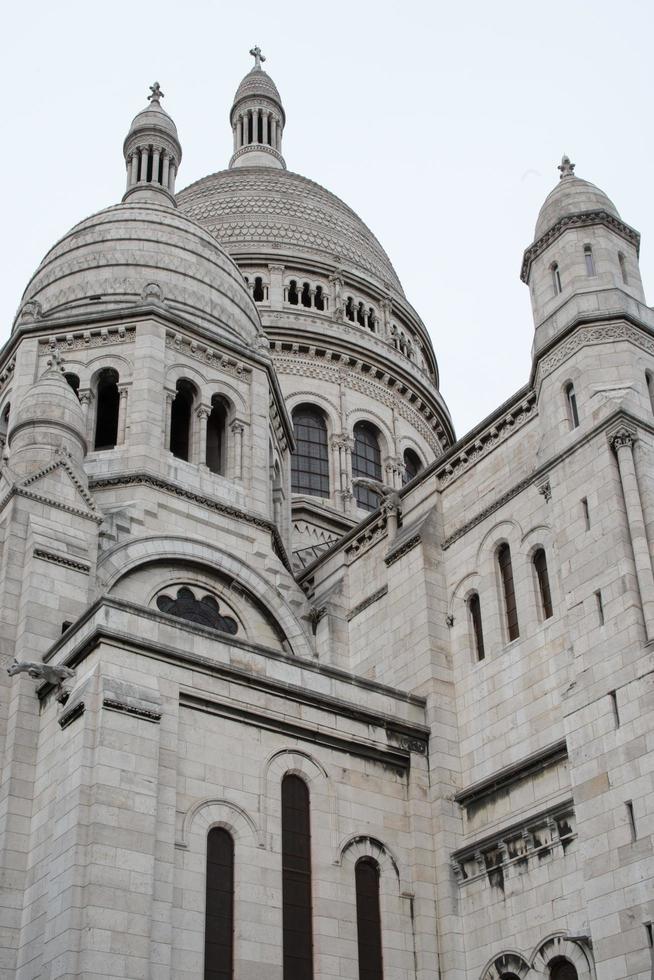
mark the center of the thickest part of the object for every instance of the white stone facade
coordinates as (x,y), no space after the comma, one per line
(224,632)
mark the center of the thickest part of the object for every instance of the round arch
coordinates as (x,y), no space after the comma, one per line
(560,946)
(203,815)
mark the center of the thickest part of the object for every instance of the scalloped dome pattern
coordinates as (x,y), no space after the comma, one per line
(572,195)
(253,210)
(257,82)
(135,254)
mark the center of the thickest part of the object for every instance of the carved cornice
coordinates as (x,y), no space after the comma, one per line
(208,355)
(402,550)
(57,559)
(7,373)
(583,336)
(572,221)
(375,597)
(259,148)
(79,339)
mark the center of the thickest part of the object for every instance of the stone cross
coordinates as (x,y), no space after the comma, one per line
(566,167)
(157,94)
(258,57)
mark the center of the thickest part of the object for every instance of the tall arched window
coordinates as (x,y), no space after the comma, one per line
(571,399)
(540,567)
(180,419)
(412,465)
(107,405)
(649,378)
(216,430)
(219,914)
(319,298)
(369,940)
(556,278)
(258,293)
(589,260)
(73,381)
(4,426)
(366,461)
(508,592)
(562,969)
(293,296)
(474,608)
(305,298)
(310,461)
(296,880)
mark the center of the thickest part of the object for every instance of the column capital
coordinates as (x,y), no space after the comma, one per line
(622,436)
(203,411)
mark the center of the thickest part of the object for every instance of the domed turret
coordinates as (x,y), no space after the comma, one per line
(48,418)
(152,153)
(257,119)
(582,252)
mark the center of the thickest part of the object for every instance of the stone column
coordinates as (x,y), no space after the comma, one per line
(155,166)
(237,429)
(199,453)
(145,156)
(122,414)
(168,409)
(165,174)
(85,396)
(266,120)
(134,172)
(171,176)
(623,442)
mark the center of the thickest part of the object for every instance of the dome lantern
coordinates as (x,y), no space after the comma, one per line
(257,118)
(152,153)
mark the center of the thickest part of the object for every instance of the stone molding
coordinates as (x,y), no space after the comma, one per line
(258,148)
(375,597)
(572,221)
(503,778)
(79,339)
(403,549)
(7,373)
(586,334)
(208,355)
(64,560)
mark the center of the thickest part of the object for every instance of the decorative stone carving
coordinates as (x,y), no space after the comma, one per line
(152,293)
(55,675)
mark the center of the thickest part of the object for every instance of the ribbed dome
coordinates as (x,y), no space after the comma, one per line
(572,195)
(254,210)
(143,253)
(257,82)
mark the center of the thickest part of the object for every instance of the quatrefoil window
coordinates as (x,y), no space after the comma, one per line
(204,611)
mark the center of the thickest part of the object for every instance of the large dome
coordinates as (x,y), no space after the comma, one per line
(255,210)
(572,195)
(139,253)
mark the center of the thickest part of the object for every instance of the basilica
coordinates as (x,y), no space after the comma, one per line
(296,684)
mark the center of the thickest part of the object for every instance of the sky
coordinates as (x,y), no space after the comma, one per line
(441,124)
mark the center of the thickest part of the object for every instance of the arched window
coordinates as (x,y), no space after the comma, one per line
(509,976)
(366,461)
(296,880)
(540,566)
(180,419)
(649,378)
(372,319)
(310,461)
(219,914)
(4,425)
(474,608)
(73,381)
(562,969)
(107,404)
(216,431)
(257,292)
(361,315)
(571,399)
(508,591)
(366,876)
(349,309)
(319,298)
(306,294)
(412,465)
(589,260)
(556,278)
(293,296)
(623,267)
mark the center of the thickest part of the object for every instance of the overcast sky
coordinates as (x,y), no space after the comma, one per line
(440,123)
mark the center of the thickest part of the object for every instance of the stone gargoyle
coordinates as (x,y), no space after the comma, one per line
(57,676)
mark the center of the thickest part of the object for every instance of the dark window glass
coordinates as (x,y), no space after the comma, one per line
(562,969)
(319,298)
(540,564)
(508,589)
(219,916)
(412,465)
(475,615)
(73,381)
(106,419)
(296,880)
(180,420)
(369,940)
(573,414)
(349,309)
(310,461)
(257,292)
(590,263)
(293,296)
(366,461)
(216,425)
(305,298)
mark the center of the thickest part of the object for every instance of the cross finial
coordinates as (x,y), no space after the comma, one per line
(258,57)
(157,94)
(566,167)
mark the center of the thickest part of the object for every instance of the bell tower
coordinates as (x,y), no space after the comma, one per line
(257,118)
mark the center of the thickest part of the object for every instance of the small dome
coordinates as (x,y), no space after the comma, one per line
(153,117)
(572,195)
(144,253)
(50,399)
(257,83)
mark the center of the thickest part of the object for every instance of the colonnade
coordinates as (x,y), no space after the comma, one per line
(246,128)
(163,167)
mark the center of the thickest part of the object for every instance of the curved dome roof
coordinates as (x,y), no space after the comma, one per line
(153,117)
(50,400)
(257,82)
(255,209)
(572,195)
(142,253)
